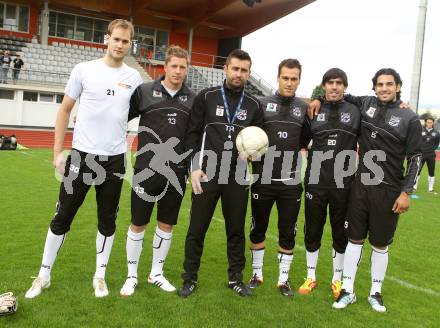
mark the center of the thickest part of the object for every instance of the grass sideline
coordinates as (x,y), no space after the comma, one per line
(29,192)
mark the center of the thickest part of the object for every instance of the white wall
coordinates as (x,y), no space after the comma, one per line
(41,114)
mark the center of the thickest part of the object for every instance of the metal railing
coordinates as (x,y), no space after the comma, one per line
(198,78)
(29,76)
(218,62)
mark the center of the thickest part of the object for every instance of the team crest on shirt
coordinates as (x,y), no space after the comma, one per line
(371,111)
(321,117)
(433,134)
(242,115)
(157,94)
(423,133)
(183,98)
(394,121)
(345,117)
(295,111)
(271,107)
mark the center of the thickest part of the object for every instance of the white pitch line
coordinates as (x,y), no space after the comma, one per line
(393,279)
(28,154)
(411,286)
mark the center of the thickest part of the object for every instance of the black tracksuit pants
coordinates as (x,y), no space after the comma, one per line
(234,198)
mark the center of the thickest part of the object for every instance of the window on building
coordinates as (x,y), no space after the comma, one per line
(46,97)
(151,43)
(77,27)
(65,26)
(99,31)
(7,94)
(161,45)
(59,98)
(30,96)
(23,18)
(52,23)
(84,29)
(14,17)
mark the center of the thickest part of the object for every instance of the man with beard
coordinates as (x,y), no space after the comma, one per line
(218,114)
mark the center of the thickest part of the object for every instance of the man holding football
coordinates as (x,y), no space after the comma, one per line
(218,114)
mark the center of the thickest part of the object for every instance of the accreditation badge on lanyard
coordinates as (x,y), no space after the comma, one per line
(228,114)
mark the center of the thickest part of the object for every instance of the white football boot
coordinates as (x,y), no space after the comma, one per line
(344,300)
(100,287)
(160,281)
(129,286)
(37,287)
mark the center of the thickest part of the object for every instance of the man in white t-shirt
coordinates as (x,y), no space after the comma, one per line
(104,87)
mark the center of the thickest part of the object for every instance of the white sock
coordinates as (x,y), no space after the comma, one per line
(352,258)
(51,248)
(312,263)
(417,183)
(338,265)
(285,262)
(431,183)
(379,264)
(103,249)
(133,246)
(161,246)
(257,262)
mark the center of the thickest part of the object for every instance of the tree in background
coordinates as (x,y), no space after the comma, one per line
(318,92)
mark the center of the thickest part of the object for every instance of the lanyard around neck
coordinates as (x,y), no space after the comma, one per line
(225,103)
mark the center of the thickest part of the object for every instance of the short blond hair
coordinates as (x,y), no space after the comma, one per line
(176,51)
(120,23)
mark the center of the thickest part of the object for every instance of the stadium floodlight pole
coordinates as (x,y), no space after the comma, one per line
(418,56)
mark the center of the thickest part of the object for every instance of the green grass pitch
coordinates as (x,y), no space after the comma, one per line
(28,193)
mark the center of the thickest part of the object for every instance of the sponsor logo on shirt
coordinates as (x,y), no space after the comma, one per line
(123,85)
(321,117)
(371,111)
(394,121)
(242,114)
(295,111)
(157,94)
(271,107)
(220,111)
(345,117)
(183,98)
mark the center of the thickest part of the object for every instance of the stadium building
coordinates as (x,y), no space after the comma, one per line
(53,36)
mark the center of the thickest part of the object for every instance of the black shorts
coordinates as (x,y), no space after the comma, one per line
(370,213)
(83,170)
(156,189)
(288,201)
(317,200)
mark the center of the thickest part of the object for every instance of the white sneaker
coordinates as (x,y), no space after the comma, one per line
(129,286)
(160,281)
(100,287)
(37,287)
(376,302)
(344,300)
